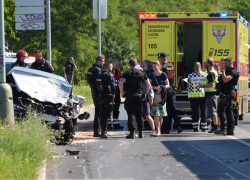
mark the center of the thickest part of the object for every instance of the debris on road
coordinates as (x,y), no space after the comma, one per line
(72,152)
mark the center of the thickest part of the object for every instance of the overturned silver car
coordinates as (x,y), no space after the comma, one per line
(48,94)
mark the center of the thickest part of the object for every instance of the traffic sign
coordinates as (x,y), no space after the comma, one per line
(103,9)
(30,26)
(29,10)
(29,2)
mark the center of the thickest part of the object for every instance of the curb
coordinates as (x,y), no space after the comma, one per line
(42,172)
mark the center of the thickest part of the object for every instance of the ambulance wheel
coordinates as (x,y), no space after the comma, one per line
(241,117)
(236,119)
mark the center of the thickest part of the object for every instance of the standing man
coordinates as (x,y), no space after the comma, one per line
(92,74)
(170,71)
(42,64)
(135,96)
(69,70)
(210,93)
(117,76)
(21,55)
(106,86)
(230,78)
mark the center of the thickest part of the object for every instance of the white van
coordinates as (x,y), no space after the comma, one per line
(10,58)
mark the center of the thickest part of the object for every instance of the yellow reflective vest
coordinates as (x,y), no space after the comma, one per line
(212,89)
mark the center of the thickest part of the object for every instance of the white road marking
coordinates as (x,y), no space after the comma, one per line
(239,140)
(100,167)
(248,177)
(229,176)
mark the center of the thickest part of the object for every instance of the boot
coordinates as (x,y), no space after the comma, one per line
(195,129)
(230,132)
(96,133)
(118,126)
(221,132)
(131,135)
(179,130)
(141,134)
(110,127)
(104,133)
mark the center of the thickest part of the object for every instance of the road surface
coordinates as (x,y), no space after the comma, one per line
(188,155)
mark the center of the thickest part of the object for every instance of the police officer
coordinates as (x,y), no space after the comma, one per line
(117,76)
(21,55)
(106,86)
(135,96)
(170,71)
(42,64)
(92,74)
(210,93)
(230,78)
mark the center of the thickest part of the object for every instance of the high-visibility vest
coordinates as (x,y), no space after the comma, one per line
(205,71)
(195,82)
(212,89)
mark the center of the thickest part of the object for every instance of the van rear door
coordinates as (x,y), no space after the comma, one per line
(157,36)
(219,40)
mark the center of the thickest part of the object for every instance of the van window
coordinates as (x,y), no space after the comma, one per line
(8,66)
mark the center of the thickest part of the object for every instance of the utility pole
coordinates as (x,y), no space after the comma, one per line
(48,24)
(6,99)
(99,26)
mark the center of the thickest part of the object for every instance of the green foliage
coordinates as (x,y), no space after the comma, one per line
(23,148)
(74,31)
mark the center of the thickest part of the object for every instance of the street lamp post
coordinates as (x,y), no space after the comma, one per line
(6,99)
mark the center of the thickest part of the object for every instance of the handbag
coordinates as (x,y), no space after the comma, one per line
(157,97)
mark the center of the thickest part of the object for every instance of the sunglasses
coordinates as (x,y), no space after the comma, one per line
(37,51)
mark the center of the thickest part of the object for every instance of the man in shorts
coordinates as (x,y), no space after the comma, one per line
(210,93)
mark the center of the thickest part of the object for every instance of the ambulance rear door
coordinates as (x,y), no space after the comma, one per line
(219,40)
(156,37)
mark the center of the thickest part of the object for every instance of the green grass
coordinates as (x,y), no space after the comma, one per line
(23,148)
(84,91)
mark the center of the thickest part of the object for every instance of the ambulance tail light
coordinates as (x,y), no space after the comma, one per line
(143,15)
(234,12)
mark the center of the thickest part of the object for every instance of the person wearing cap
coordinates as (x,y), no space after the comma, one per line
(170,71)
(21,55)
(42,64)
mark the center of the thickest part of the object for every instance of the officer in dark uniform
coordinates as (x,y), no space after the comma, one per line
(106,86)
(21,55)
(170,71)
(92,75)
(135,96)
(42,64)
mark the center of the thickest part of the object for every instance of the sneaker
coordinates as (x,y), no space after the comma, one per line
(153,134)
(136,134)
(118,126)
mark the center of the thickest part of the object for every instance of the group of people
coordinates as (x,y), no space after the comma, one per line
(212,93)
(44,65)
(148,92)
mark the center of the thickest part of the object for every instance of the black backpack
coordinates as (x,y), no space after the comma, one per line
(68,69)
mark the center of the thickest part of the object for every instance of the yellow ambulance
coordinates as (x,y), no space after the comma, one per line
(189,37)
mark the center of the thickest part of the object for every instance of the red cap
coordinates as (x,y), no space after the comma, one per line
(21,53)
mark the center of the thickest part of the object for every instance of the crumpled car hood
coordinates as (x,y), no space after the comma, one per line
(43,86)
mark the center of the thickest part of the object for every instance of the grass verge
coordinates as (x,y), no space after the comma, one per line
(23,148)
(84,91)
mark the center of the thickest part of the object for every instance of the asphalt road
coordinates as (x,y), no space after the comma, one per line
(188,155)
